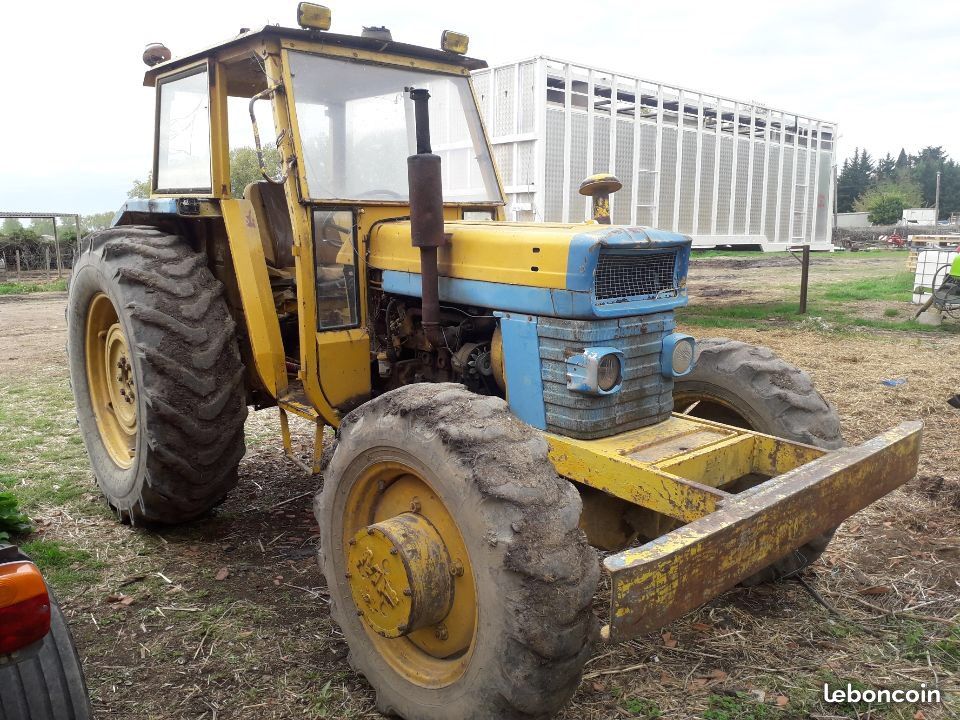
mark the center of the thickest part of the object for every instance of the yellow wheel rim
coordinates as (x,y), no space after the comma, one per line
(113,391)
(436,655)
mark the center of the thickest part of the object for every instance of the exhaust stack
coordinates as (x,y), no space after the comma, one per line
(426,214)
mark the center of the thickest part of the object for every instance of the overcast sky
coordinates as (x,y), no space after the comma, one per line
(76,122)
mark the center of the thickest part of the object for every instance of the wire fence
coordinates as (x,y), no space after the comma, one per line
(30,254)
(36,260)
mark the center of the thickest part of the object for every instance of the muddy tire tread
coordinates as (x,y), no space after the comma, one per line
(190,366)
(551,572)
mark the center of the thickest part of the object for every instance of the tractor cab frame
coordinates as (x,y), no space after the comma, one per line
(342,130)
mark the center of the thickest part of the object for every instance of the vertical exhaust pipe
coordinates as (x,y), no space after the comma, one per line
(426,214)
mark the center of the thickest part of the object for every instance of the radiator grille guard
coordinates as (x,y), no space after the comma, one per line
(635,276)
(646,396)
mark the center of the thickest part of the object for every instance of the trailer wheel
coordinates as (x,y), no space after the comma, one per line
(156,374)
(455,565)
(750,387)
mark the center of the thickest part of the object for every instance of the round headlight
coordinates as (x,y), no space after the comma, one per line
(609,372)
(682,357)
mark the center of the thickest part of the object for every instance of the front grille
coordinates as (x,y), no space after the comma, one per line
(644,275)
(646,396)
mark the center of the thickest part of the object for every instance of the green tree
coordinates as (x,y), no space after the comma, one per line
(245,168)
(97,221)
(926,165)
(42,226)
(140,188)
(885,202)
(11,226)
(856,177)
(886,166)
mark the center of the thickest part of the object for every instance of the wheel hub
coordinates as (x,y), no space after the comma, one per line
(111,381)
(120,378)
(400,575)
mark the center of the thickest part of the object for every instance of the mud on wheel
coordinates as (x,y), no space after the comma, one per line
(750,387)
(156,374)
(455,566)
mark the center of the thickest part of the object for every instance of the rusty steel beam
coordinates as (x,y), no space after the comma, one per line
(678,572)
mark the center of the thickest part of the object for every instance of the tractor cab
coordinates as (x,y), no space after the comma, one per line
(300,138)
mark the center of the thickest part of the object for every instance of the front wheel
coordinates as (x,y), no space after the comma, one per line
(750,387)
(453,557)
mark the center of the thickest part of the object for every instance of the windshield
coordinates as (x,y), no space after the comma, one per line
(357,129)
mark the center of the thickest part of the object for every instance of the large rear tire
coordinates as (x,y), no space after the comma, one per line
(156,374)
(750,387)
(520,626)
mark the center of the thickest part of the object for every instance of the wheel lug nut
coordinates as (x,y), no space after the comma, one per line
(415,505)
(441,632)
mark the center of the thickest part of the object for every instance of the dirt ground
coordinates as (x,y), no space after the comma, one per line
(227,617)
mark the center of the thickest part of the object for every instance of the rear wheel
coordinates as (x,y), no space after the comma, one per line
(750,387)
(156,374)
(456,569)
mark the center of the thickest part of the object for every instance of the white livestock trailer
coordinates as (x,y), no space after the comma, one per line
(724,171)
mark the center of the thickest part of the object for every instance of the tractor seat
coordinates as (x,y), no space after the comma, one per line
(276,233)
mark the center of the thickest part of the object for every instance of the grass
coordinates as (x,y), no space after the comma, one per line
(820,316)
(918,643)
(831,306)
(42,458)
(65,568)
(642,708)
(898,287)
(755,254)
(736,707)
(22,288)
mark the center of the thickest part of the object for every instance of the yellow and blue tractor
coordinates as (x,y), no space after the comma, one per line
(507,397)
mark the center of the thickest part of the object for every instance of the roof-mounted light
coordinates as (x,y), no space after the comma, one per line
(156,53)
(313,17)
(454,42)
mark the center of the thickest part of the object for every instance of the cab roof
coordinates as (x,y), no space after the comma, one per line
(370,44)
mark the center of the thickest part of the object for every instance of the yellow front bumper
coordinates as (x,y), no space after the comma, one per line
(743,533)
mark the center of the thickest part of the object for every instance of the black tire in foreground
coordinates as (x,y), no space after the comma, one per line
(533,573)
(750,387)
(156,374)
(49,684)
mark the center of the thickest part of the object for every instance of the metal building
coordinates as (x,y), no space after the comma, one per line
(724,171)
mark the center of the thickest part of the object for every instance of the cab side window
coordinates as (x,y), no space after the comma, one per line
(335,249)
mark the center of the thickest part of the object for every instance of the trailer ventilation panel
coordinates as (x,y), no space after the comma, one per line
(634,277)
